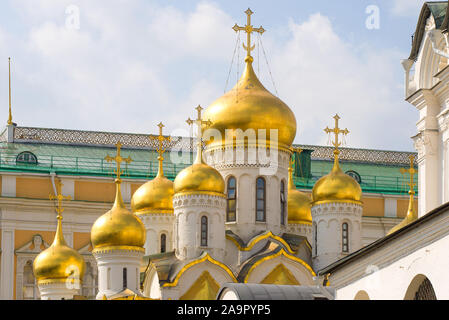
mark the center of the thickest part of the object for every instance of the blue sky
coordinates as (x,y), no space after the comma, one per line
(134,63)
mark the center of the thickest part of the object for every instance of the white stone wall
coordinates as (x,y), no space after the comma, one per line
(157,224)
(427,90)
(390,272)
(188,212)
(58,291)
(110,270)
(300,229)
(246,166)
(329,218)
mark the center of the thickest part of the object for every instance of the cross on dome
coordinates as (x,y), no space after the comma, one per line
(160,150)
(60,198)
(201,125)
(118,159)
(336,131)
(411,171)
(292,158)
(249,29)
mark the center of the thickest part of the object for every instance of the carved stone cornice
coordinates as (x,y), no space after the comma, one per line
(425,143)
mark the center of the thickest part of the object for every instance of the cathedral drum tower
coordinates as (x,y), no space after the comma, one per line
(153,204)
(199,204)
(118,237)
(250,138)
(336,212)
(59,270)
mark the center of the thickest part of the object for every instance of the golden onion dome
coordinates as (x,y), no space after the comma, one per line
(412,215)
(250,106)
(118,227)
(199,178)
(336,187)
(155,196)
(298,204)
(59,262)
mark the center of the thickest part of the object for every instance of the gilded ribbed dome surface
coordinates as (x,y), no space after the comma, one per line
(118,227)
(250,106)
(199,177)
(299,207)
(58,262)
(155,196)
(336,187)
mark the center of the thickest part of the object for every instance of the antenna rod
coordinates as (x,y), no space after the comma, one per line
(10,114)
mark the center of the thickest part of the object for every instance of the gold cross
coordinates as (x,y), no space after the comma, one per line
(160,150)
(292,158)
(410,171)
(248,29)
(336,131)
(201,124)
(118,159)
(59,197)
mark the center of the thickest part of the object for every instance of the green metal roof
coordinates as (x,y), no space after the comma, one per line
(89,161)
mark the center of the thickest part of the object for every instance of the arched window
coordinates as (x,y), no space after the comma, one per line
(282,203)
(163,243)
(231,200)
(204,231)
(260,199)
(125,278)
(89,282)
(30,290)
(345,237)
(26,158)
(315,234)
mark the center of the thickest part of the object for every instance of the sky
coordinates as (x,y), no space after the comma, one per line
(125,66)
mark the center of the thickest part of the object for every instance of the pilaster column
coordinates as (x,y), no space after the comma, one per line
(429,179)
(7,265)
(427,144)
(8,186)
(68,187)
(443,122)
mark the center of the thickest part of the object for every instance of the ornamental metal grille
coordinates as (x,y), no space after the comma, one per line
(361,155)
(425,291)
(95,138)
(141,141)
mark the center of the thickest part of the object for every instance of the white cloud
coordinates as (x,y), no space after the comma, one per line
(319,74)
(407,7)
(133,64)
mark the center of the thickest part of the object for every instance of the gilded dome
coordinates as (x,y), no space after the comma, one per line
(199,177)
(59,262)
(118,227)
(155,196)
(250,106)
(299,205)
(411,215)
(336,187)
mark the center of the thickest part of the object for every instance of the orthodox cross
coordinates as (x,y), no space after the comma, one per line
(160,150)
(292,158)
(410,171)
(118,159)
(200,123)
(336,131)
(60,198)
(10,113)
(248,29)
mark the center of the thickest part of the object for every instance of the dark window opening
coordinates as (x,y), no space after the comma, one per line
(231,200)
(204,231)
(260,199)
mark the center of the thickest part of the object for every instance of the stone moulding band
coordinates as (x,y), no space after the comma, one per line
(117,248)
(207,257)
